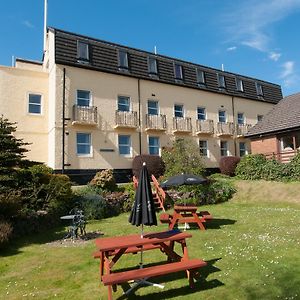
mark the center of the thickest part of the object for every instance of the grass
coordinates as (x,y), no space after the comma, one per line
(252,250)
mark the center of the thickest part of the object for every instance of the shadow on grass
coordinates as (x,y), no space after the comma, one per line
(213,224)
(201,283)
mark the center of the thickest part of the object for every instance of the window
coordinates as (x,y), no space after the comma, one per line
(83,51)
(123,103)
(84,144)
(201,113)
(153,145)
(83,98)
(178,72)
(124,142)
(259,118)
(178,111)
(240,119)
(152,65)
(203,148)
(200,76)
(239,85)
(243,150)
(221,81)
(152,107)
(224,148)
(123,59)
(222,116)
(35,104)
(259,89)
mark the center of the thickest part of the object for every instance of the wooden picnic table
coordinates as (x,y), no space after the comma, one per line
(111,249)
(186,214)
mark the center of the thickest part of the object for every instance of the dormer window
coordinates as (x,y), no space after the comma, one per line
(200,76)
(178,72)
(221,81)
(152,65)
(239,84)
(83,51)
(259,89)
(123,60)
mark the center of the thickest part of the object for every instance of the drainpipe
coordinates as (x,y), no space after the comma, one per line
(63,119)
(139,116)
(234,124)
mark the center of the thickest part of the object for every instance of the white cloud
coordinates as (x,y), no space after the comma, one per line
(250,22)
(274,55)
(28,24)
(231,48)
(287,69)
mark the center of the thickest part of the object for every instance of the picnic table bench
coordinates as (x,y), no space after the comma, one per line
(186,214)
(111,249)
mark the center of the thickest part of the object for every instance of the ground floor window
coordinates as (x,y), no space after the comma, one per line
(203,148)
(83,142)
(290,142)
(224,148)
(153,143)
(243,150)
(124,142)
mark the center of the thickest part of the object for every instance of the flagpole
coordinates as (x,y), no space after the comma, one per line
(45,23)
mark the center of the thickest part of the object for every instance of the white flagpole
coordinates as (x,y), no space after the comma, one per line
(45,22)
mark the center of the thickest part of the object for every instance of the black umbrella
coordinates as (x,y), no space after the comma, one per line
(143,210)
(183,179)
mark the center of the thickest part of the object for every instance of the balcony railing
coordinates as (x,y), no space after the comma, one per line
(182,125)
(242,129)
(85,115)
(156,122)
(225,128)
(126,119)
(284,156)
(204,126)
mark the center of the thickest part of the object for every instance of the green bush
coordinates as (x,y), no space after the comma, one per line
(10,204)
(272,170)
(294,167)
(251,167)
(5,232)
(128,190)
(104,180)
(183,157)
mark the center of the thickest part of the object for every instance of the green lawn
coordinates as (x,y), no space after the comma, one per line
(252,249)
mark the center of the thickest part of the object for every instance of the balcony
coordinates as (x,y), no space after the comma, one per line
(156,122)
(204,126)
(225,129)
(242,129)
(126,119)
(85,115)
(182,125)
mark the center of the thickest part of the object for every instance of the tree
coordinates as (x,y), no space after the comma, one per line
(11,152)
(183,157)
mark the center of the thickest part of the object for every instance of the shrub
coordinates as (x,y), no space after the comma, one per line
(294,167)
(250,167)
(183,157)
(128,190)
(154,163)
(10,204)
(104,180)
(228,165)
(272,170)
(93,205)
(219,191)
(5,232)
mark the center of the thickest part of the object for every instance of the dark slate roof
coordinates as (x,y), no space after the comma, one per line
(283,117)
(104,57)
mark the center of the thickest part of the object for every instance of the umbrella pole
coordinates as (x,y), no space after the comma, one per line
(142,236)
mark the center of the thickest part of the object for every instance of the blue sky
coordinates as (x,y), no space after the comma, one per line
(253,37)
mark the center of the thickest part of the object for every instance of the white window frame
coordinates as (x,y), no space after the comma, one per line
(246,152)
(130,145)
(200,78)
(244,121)
(239,84)
(158,110)
(259,89)
(205,114)
(180,71)
(222,148)
(221,83)
(87,58)
(126,66)
(151,72)
(159,150)
(90,99)
(205,148)
(90,144)
(129,106)
(40,105)
(223,110)
(177,104)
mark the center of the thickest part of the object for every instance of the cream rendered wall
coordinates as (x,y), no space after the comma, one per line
(15,85)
